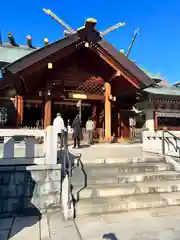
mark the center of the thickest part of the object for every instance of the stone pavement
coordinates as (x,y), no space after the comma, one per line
(153,224)
(51,226)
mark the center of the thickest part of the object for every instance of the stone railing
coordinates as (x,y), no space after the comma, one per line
(29,190)
(156,141)
(30,177)
(28,146)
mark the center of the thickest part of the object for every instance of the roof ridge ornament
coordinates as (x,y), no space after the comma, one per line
(60,21)
(132,42)
(88,21)
(29,41)
(92,20)
(11,39)
(46,41)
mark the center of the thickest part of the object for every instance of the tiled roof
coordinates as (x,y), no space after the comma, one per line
(10,53)
(151,75)
(156,76)
(87,34)
(166,90)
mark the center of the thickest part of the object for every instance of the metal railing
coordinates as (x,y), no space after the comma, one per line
(164,139)
(66,166)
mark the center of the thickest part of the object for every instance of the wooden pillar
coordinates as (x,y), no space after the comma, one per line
(19,103)
(101,122)
(94,114)
(107,112)
(118,122)
(119,125)
(47,113)
(155,121)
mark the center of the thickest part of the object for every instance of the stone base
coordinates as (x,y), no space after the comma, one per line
(29,190)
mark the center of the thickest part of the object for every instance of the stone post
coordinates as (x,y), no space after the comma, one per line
(51,146)
(30,147)
(8,151)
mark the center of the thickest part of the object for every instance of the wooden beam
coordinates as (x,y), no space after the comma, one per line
(114,65)
(95,97)
(87,97)
(114,75)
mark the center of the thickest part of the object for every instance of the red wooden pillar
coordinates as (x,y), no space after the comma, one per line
(107,111)
(125,128)
(94,119)
(19,104)
(118,122)
(97,119)
(47,113)
(155,121)
(101,123)
(94,114)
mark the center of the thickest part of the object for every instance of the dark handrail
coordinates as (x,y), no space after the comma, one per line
(163,139)
(67,166)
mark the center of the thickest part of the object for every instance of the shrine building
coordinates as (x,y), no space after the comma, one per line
(39,82)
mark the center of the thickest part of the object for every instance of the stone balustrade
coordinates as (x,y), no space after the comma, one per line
(30,178)
(28,146)
(152,142)
(29,190)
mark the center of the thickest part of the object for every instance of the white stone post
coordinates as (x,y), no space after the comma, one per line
(149,119)
(44,142)
(30,147)
(8,151)
(51,146)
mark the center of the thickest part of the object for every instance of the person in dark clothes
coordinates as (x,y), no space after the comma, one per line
(76,125)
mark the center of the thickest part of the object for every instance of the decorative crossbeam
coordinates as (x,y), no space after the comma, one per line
(72,31)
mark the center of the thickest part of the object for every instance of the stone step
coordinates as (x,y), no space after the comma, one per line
(126,203)
(106,150)
(114,169)
(123,178)
(110,160)
(98,191)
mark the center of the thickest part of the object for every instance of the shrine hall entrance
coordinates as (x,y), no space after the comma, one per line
(69,111)
(33,116)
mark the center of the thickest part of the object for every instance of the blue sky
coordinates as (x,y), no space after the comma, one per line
(157,47)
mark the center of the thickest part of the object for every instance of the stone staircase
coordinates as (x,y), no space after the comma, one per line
(124,184)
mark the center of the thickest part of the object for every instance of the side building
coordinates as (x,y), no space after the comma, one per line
(161,108)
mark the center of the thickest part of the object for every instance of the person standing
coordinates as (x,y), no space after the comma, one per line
(132,124)
(76,125)
(59,127)
(89,130)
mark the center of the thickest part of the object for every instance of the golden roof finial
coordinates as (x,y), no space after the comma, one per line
(46,41)
(92,20)
(122,51)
